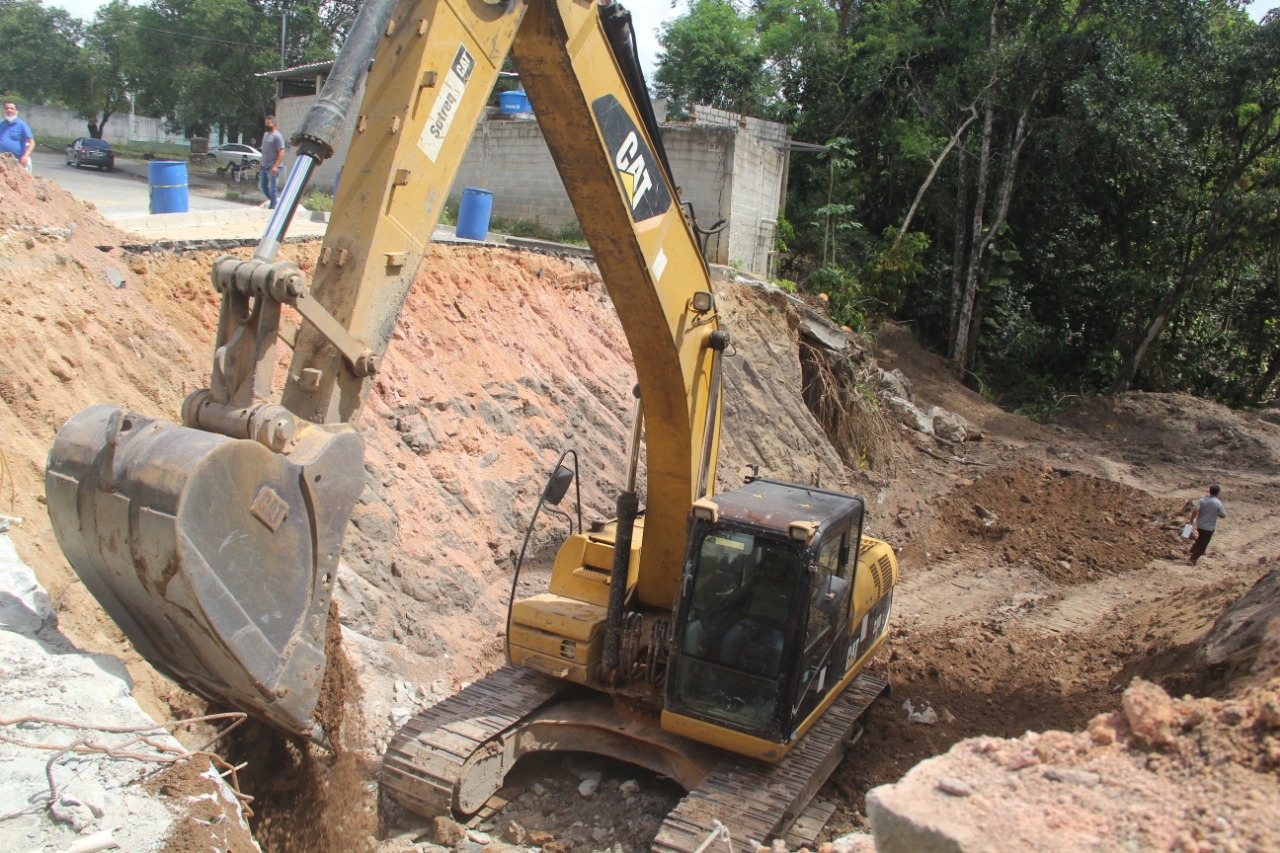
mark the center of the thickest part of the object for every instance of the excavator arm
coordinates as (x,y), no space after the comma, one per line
(214,544)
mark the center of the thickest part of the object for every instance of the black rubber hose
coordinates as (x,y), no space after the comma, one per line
(628,510)
(622,41)
(324,121)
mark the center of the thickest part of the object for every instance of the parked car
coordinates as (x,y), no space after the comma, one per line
(231,152)
(88,151)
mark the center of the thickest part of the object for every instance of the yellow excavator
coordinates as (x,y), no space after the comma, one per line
(717,639)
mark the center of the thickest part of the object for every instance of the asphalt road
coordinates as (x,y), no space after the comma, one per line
(124,193)
(123,196)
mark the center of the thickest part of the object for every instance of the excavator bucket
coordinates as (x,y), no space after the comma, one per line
(214,555)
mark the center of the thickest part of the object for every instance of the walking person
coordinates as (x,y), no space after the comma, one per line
(272,157)
(1205,519)
(16,137)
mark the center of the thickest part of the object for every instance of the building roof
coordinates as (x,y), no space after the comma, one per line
(298,71)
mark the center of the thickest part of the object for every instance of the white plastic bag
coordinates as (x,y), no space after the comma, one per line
(1186,531)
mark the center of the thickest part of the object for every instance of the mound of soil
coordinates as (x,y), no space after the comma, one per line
(1177,429)
(1068,526)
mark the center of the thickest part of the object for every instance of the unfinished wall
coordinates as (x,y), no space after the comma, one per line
(755,186)
(702,163)
(725,164)
(510,158)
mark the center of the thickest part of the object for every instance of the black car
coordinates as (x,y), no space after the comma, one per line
(91,152)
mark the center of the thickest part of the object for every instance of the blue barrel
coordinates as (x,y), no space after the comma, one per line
(513,102)
(473,214)
(167,184)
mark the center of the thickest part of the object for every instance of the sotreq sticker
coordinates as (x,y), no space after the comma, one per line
(446,106)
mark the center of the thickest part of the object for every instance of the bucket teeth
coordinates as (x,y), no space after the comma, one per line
(214,555)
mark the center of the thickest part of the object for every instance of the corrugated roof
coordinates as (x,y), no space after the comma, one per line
(297,71)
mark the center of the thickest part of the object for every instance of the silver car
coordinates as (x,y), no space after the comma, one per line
(232,152)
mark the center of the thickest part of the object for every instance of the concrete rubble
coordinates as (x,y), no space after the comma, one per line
(64,709)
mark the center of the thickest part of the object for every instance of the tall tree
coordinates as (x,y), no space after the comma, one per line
(98,82)
(719,61)
(1061,195)
(40,44)
(1230,115)
(196,60)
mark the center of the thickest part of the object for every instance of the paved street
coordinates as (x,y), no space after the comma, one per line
(123,196)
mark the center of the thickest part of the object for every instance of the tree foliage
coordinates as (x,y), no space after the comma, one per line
(1063,196)
(39,47)
(720,63)
(99,78)
(193,62)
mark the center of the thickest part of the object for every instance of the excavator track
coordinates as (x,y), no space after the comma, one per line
(427,758)
(756,802)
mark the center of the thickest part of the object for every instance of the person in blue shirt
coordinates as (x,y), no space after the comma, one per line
(16,137)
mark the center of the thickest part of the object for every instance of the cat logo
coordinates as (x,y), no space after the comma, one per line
(638,170)
(463,64)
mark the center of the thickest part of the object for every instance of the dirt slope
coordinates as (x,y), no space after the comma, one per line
(1041,569)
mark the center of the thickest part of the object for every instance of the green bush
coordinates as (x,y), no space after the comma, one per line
(318,200)
(571,233)
(520,228)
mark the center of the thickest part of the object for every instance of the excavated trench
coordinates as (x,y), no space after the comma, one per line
(992,634)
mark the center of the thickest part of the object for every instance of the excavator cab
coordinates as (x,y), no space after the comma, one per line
(768,624)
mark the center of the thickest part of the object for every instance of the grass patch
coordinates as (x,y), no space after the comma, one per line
(318,200)
(570,233)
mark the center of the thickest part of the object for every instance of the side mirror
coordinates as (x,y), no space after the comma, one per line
(831,598)
(557,485)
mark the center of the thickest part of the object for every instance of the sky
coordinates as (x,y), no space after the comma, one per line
(646,16)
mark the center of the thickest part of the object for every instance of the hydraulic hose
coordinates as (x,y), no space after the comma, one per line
(324,120)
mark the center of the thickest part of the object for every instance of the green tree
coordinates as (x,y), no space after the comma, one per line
(98,81)
(195,61)
(40,45)
(1228,115)
(1081,176)
(711,56)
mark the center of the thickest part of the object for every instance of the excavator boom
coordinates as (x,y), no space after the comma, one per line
(214,544)
(719,640)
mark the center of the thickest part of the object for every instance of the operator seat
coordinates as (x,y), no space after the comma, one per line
(753,645)
(755,637)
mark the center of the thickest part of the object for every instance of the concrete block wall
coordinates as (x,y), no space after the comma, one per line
(510,158)
(723,163)
(753,214)
(758,173)
(702,164)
